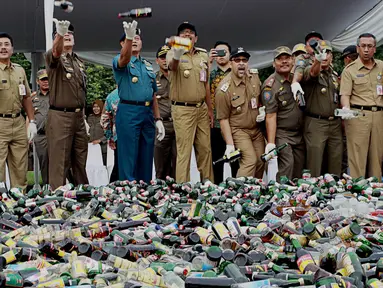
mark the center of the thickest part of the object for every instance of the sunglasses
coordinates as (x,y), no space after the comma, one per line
(239,60)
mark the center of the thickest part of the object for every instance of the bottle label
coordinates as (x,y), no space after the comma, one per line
(10,243)
(303,261)
(57,283)
(332,285)
(70,194)
(345,233)
(347,264)
(78,269)
(9,256)
(277,240)
(12,280)
(124,264)
(221,230)
(139,216)
(376,284)
(107,215)
(232,227)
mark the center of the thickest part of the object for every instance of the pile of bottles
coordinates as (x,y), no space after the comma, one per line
(309,232)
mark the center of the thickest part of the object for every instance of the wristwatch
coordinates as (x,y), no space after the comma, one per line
(32,121)
(158,119)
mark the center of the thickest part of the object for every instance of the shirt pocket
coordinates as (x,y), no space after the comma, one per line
(361,84)
(4,84)
(185,65)
(237,105)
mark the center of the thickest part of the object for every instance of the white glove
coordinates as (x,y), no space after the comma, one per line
(178,52)
(87,127)
(269,147)
(61,26)
(160,130)
(349,114)
(262,114)
(295,87)
(321,56)
(32,131)
(229,149)
(130,29)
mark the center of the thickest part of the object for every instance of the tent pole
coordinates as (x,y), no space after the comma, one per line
(35,66)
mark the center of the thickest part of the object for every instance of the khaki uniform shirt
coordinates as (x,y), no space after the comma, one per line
(163,100)
(321,93)
(67,81)
(11,77)
(362,84)
(276,95)
(302,61)
(187,84)
(40,103)
(237,100)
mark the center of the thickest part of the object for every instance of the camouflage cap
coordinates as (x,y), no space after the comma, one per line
(282,50)
(299,47)
(41,74)
(325,45)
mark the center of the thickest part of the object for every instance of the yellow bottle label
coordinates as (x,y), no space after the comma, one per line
(107,215)
(57,283)
(192,209)
(78,269)
(376,284)
(345,233)
(95,225)
(221,230)
(58,213)
(76,232)
(10,243)
(61,253)
(303,261)
(277,240)
(139,216)
(9,256)
(347,264)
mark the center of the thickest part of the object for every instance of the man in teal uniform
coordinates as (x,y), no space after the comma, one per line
(136,82)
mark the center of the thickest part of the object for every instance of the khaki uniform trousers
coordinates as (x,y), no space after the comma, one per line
(165,153)
(192,126)
(320,134)
(291,160)
(252,145)
(42,154)
(14,151)
(67,147)
(365,144)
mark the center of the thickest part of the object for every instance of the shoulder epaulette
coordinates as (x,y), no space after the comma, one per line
(146,62)
(201,49)
(269,82)
(253,71)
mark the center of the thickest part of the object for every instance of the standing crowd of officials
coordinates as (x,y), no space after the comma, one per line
(191,104)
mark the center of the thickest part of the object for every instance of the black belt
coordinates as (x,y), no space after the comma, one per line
(138,103)
(167,119)
(320,117)
(368,108)
(13,115)
(199,104)
(65,109)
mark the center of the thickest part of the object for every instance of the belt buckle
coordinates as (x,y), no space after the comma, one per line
(170,119)
(77,110)
(374,109)
(14,115)
(331,118)
(198,105)
(147,103)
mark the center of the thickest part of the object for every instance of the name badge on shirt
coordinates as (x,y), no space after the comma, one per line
(22,90)
(254,103)
(379,90)
(202,76)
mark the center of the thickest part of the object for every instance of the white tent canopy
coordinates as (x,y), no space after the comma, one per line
(257,25)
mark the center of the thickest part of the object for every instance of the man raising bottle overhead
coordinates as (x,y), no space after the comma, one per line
(191,105)
(135,127)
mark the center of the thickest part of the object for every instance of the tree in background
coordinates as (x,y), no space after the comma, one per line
(101,81)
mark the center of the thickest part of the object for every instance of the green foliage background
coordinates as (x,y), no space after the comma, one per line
(101,81)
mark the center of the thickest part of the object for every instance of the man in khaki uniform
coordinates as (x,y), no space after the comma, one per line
(66,133)
(165,151)
(361,90)
(191,105)
(237,101)
(14,95)
(284,118)
(302,61)
(40,102)
(322,130)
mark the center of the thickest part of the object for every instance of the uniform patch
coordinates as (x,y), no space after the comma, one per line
(300,63)
(253,71)
(359,75)
(184,61)
(224,87)
(267,95)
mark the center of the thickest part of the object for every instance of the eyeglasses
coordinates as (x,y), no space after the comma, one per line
(239,60)
(364,46)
